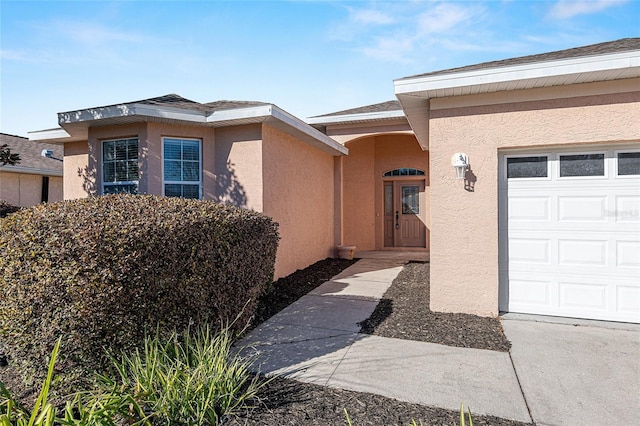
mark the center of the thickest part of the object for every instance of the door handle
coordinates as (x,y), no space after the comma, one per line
(397,223)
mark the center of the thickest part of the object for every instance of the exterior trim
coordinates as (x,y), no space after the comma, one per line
(547,73)
(351,118)
(30,171)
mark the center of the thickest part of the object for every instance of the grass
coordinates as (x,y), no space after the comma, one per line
(192,378)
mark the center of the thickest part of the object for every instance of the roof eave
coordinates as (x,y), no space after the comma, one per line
(356,118)
(539,74)
(281,120)
(56,136)
(31,170)
(414,93)
(76,123)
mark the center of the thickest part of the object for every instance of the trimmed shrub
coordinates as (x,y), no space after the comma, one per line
(100,272)
(6,209)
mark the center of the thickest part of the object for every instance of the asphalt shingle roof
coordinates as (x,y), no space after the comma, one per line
(615,46)
(176,101)
(30,153)
(381,107)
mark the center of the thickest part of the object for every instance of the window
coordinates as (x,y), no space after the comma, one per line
(411,199)
(120,166)
(582,165)
(527,167)
(404,172)
(628,163)
(181,167)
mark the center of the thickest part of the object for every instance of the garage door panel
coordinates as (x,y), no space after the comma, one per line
(590,209)
(529,250)
(571,246)
(627,208)
(628,300)
(628,254)
(582,252)
(529,208)
(582,296)
(530,292)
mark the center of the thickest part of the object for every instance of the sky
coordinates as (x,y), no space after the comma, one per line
(308,57)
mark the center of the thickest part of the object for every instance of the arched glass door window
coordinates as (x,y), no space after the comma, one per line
(404,172)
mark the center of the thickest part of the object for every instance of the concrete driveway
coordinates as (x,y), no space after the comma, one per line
(577,372)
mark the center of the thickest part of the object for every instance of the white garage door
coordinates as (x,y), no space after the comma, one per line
(570,233)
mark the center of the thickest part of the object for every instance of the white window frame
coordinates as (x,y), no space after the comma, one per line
(530,154)
(615,163)
(117,183)
(175,182)
(568,153)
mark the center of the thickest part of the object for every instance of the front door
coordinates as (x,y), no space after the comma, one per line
(404,221)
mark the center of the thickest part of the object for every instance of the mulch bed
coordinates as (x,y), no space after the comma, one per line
(404,313)
(287,402)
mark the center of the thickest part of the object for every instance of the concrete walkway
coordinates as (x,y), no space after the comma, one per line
(553,375)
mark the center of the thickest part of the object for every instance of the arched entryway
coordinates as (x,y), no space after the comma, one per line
(385,193)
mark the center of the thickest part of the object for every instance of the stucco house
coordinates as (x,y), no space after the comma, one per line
(544,219)
(36,178)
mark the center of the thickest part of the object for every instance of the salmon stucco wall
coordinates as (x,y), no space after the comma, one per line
(238,166)
(78,180)
(298,194)
(368,159)
(464,236)
(56,189)
(20,189)
(151,156)
(359,186)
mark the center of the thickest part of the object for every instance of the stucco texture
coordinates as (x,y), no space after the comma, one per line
(298,194)
(464,224)
(79,180)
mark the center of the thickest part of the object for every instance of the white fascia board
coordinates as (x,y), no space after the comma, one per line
(368,116)
(265,112)
(309,131)
(537,70)
(258,112)
(31,170)
(49,135)
(169,113)
(128,110)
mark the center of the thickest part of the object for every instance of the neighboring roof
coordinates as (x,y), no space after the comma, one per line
(615,46)
(31,159)
(174,109)
(376,112)
(613,60)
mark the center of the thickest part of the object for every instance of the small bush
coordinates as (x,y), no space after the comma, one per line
(189,379)
(101,271)
(6,209)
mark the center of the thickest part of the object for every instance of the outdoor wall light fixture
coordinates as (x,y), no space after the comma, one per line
(460,161)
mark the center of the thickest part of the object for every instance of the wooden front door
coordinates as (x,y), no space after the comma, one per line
(404,215)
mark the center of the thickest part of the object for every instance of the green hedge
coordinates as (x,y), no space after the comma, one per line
(6,208)
(102,271)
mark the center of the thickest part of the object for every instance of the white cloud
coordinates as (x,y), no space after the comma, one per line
(565,9)
(443,18)
(416,25)
(390,49)
(371,17)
